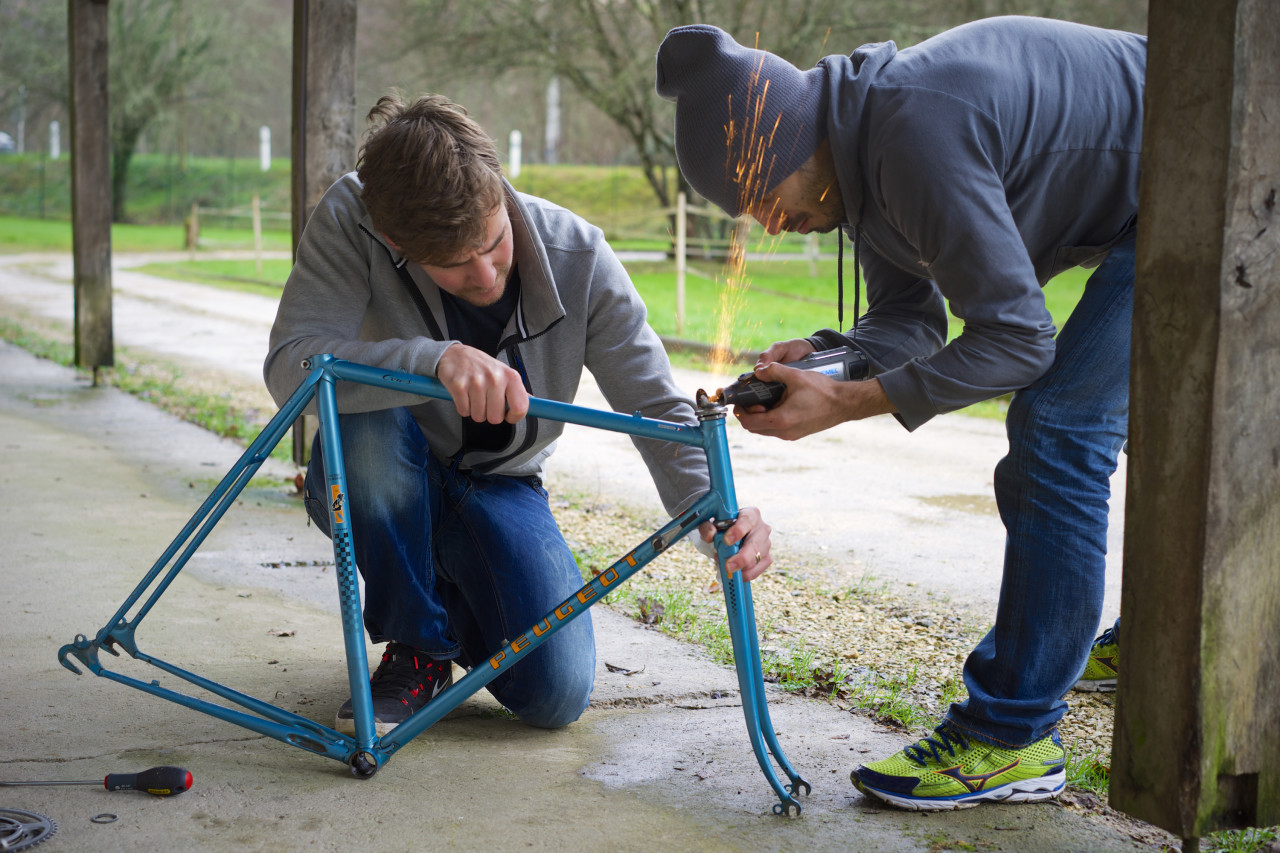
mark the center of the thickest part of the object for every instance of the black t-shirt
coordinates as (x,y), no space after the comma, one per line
(481,327)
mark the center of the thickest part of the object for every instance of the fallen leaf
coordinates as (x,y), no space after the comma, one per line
(623,669)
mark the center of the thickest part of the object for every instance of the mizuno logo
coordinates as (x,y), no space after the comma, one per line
(978,781)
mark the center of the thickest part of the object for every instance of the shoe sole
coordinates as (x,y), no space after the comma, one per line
(1025,791)
(1106,685)
(347,726)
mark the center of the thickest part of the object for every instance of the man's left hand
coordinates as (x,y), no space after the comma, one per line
(751,533)
(812,402)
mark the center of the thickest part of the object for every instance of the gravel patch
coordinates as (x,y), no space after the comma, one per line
(892,654)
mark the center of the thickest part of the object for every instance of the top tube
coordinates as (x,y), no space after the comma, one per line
(426,386)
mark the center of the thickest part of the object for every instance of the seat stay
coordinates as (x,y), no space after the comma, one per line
(119,630)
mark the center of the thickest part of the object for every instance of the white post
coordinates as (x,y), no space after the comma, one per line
(55,140)
(22,119)
(264,148)
(680,262)
(551,146)
(811,252)
(257,235)
(515,154)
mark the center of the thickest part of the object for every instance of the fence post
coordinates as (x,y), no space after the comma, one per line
(681,260)
(256,206)
(193,227)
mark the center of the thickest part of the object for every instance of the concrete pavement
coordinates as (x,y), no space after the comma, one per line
(93,486)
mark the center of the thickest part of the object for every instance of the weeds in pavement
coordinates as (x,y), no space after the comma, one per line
(1091,772)
(1251,840)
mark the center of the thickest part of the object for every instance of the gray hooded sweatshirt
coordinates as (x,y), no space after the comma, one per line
(977,165)
(577,308)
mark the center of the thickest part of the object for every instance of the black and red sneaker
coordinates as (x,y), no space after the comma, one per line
(406,680)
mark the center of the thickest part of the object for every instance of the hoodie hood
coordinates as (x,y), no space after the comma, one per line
(848,80)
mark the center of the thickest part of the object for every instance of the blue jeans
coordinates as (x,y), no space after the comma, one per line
(457,562)
(1065,435)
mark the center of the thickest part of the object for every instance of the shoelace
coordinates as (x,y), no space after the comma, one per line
(1107,638)
(944,738)
(395,676)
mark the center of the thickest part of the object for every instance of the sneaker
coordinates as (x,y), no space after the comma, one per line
(406,680)
(951,771)
(1104,662)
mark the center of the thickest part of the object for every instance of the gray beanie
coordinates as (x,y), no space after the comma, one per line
(745,118)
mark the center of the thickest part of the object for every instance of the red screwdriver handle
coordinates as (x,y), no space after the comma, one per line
(159,781)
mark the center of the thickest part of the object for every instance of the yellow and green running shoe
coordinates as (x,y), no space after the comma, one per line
(1104,663)
(952,771)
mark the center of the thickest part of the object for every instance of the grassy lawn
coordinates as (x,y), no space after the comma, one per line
(775,299)
(19,234)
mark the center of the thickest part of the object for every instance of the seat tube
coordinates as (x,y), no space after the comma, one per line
(344,558)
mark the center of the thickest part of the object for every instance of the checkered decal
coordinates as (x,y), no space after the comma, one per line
(347,587)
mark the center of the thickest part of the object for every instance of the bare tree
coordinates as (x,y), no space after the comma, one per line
(33,59)
(158,49)
(605,50)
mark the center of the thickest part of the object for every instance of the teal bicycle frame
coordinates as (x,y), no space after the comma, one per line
(366,752)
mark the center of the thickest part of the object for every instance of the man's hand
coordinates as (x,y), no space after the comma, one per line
(812,402)
(483,388)
(785,351)
(753,533)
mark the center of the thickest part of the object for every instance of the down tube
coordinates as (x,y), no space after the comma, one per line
(571,608)
(749,666)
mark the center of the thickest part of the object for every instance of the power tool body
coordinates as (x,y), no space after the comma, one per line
(842,364)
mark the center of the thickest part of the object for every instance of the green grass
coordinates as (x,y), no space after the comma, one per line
(775,300)
(18,234)
(159,191)
(243,275)
(780,299)
(1090,772)
(1252,840)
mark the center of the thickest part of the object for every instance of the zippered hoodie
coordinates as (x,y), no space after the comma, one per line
(977,165)
(347,295)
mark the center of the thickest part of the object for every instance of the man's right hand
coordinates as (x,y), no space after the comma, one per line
(483,388)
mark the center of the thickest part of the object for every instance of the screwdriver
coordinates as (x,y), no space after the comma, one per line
(158,781)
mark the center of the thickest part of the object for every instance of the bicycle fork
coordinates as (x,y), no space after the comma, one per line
(742,621)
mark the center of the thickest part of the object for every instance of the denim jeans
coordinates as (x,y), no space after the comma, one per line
(457,562)
(1065,435)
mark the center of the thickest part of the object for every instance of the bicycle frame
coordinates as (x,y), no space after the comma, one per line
(366,752)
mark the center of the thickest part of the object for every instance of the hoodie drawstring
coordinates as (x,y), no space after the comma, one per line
(857,280)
